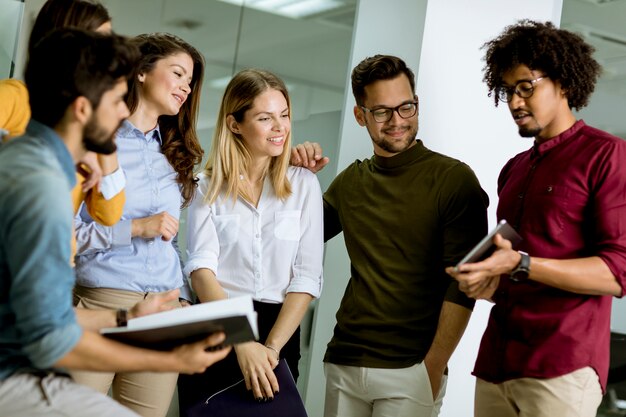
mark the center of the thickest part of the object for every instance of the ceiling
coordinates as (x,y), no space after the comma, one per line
(311,54)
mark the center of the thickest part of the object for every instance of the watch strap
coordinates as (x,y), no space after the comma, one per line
(121,317)
(522,270)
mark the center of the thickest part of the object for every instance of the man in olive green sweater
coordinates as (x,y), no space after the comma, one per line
(406,214)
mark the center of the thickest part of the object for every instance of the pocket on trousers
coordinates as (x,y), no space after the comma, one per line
(425,389)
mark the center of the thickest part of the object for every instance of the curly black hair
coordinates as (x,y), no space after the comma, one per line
(562,55)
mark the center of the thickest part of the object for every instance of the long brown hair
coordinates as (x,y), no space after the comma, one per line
(229,158)
(180,146)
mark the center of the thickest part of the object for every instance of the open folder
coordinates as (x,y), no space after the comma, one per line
(163,331)
(237,401)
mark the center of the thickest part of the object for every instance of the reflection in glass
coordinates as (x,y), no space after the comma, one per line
(10,17)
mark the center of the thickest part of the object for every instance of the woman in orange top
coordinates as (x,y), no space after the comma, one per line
(100,182)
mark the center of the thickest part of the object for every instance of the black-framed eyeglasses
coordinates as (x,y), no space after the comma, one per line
(384,114)
(523,88)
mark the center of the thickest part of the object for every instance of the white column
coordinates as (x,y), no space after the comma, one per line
(381,27)
(440,40)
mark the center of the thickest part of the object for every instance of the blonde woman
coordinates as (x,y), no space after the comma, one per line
(255,227)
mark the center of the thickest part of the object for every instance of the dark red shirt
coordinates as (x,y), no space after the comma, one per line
(567,199)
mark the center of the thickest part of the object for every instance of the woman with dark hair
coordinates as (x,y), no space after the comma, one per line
(99,181)
(81,14)
(158,149)
(255,228)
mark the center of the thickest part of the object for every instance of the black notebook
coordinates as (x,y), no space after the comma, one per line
(163,331)
(237,401)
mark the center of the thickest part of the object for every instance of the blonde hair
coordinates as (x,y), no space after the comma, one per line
(229,158)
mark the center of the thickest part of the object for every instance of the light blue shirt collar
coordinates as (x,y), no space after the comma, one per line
(128,129)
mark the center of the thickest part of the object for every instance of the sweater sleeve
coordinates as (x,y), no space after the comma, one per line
(105,211)
(332,223)
(463,204)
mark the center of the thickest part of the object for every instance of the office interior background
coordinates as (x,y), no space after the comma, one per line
(313,45)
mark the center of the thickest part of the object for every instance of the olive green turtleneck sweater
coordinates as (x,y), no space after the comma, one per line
(404,218)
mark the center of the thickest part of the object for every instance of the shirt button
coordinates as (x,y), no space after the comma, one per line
(520,195)
(549,189)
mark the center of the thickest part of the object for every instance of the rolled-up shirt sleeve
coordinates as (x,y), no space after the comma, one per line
(608,210)
(202,239)
(307,268)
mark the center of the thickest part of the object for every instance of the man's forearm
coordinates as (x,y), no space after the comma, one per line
(95,353)
(453,320)
(583,275)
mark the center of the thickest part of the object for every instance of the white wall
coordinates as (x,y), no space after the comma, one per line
(456,118)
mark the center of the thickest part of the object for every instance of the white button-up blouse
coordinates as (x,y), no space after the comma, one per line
(265,251)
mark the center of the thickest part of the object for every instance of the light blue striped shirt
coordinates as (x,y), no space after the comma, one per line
(107,257)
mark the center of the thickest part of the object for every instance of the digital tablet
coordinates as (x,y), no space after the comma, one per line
(485,247)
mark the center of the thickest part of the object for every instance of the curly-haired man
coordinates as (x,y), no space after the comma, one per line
(545,351)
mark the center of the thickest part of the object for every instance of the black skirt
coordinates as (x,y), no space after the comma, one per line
(196,388)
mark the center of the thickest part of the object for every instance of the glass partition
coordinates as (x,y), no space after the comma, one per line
(601,23)
(10,18)
(308,46)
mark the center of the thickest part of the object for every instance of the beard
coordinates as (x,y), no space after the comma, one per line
(397,146)
(99,140)
(529,132)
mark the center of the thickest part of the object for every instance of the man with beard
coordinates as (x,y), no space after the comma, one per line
(77,83)
(406,214)
(545,351)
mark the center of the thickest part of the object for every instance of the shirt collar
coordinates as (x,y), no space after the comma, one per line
(54,141)
(542,148)
(129,129)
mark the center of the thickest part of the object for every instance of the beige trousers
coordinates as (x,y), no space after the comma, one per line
(353,391)
(577,394)
(47,394)
(147,393)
